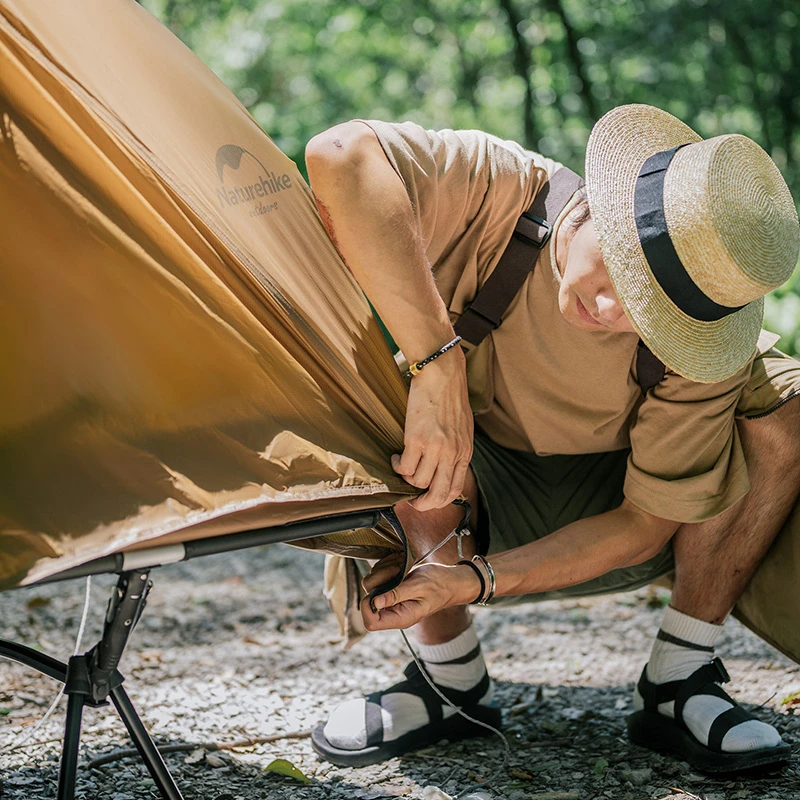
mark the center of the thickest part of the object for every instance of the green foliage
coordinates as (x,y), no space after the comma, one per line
(537,71)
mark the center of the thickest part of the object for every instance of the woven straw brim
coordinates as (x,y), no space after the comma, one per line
(618,146)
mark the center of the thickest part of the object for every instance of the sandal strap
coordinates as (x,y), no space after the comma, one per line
(653,694)
(724,722)
(704,680)
(416,684)
(471,656)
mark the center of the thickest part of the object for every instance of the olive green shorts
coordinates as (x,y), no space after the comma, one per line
(525,497)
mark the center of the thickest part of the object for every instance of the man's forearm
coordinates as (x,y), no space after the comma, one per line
(581,551)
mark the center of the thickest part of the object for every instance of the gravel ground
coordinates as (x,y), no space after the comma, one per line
(242,646)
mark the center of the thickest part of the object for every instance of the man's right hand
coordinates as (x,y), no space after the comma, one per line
(438,432)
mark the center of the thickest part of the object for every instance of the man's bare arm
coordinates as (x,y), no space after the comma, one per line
(573,554)
(368,214)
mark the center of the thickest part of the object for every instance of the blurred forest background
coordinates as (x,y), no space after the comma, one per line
(537,71)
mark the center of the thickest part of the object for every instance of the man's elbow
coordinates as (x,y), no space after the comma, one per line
(649,534)
(339,151)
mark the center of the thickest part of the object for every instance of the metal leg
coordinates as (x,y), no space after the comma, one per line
(145,745)
(92,678)
(69,755)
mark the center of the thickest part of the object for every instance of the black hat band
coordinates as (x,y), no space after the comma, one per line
(666,266)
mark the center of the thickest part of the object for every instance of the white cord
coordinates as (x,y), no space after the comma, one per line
(459,532)
(506,746)
(22,739)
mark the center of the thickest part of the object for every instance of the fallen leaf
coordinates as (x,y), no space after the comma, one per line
(600,766)
(37,602)
(520,773)
(214,760)
(791,700)
(284,767)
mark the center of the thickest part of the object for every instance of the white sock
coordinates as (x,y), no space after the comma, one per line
(683,645)
(402,712)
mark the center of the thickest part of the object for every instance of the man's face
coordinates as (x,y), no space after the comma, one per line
(586,298)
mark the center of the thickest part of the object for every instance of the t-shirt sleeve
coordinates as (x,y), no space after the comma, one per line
(686,461)
(467,190)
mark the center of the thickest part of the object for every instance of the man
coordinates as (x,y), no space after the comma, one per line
(580,483)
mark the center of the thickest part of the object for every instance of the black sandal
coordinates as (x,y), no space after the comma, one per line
(453,728)
(650,729)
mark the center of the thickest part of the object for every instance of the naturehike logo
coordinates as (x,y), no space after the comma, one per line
(245,181)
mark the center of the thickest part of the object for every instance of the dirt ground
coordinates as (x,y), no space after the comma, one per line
(242,646)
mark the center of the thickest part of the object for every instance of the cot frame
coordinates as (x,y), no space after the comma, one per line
(92,679)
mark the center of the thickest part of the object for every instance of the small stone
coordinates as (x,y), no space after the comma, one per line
(576,713)
(638,777)
(195,756)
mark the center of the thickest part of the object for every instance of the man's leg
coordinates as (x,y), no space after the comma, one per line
(714,561)
(409,714)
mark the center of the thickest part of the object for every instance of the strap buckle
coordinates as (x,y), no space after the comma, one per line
(719,667)
(533,230)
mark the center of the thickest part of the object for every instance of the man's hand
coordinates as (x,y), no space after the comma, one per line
(426,589)
(438,433)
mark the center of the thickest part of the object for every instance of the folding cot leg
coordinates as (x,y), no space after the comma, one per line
(145,745)
(69,755)
(92,678)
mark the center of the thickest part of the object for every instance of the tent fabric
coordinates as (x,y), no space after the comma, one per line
(184,353)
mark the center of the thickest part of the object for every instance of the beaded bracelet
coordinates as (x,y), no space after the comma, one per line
(477,571)
(416,368)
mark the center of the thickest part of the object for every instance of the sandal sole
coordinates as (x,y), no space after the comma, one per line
(453,729)
(664,735)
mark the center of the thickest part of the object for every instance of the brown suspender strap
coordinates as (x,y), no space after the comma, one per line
(531,234)
(649,370)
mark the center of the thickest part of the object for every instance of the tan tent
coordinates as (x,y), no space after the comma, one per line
(184,354)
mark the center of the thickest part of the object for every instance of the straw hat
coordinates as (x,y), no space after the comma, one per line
(693,233)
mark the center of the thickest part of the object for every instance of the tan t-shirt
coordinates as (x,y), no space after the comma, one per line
(546,386)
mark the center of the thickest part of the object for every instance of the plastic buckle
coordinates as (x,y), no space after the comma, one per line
(533,230)
(722,673)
